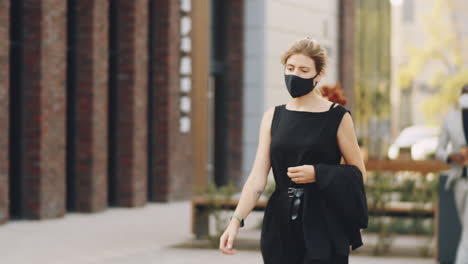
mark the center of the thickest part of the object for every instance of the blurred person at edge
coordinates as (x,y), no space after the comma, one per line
(454,130)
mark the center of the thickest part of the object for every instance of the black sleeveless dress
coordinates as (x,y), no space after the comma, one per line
(299,138)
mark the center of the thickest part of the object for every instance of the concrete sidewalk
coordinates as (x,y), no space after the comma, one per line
(123,236)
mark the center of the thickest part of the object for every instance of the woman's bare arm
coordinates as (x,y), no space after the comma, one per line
(349,146)
(256,182)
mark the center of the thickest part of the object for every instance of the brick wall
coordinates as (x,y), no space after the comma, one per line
(91,75)
(161,81)
(235,61)
(43,118)
(39,166)
(181,148)
(166,171)
(131,88)
(4,104)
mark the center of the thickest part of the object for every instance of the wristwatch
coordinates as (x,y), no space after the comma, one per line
(239,218)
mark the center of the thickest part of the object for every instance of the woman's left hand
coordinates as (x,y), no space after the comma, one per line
(302,174)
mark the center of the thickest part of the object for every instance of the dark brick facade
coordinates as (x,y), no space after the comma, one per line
(180,150)
(89,162)
(171,166)
(90,93)
(163,64)
(4,104)
(131,111)
(235,61)
(43,120)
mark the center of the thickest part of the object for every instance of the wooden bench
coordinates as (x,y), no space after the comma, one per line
(200,205)
(200,212)
(422,166)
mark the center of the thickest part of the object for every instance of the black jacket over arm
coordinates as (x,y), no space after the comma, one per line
(343,203)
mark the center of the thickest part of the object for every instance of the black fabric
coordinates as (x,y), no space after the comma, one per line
(298,86)
(342,187)
(299,257)
(318,235)
(465,129)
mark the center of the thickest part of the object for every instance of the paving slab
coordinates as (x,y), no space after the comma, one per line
(141,235)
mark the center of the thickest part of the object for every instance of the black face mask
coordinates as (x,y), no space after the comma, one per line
(298,86)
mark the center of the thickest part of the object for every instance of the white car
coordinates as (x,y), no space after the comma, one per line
(422,140)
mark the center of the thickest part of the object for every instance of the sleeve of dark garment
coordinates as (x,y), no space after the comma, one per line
(342,185)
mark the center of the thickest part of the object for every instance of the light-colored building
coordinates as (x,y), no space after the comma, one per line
(411,24)
(270,27)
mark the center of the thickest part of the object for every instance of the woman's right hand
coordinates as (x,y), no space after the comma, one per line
(227,238)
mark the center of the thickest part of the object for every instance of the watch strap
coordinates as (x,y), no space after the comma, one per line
(239,218)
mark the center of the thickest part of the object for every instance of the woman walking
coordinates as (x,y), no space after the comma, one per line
(303,142)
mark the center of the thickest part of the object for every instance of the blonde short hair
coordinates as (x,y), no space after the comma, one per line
(310,48)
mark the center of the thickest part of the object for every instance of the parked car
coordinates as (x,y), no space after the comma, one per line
(415,142)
